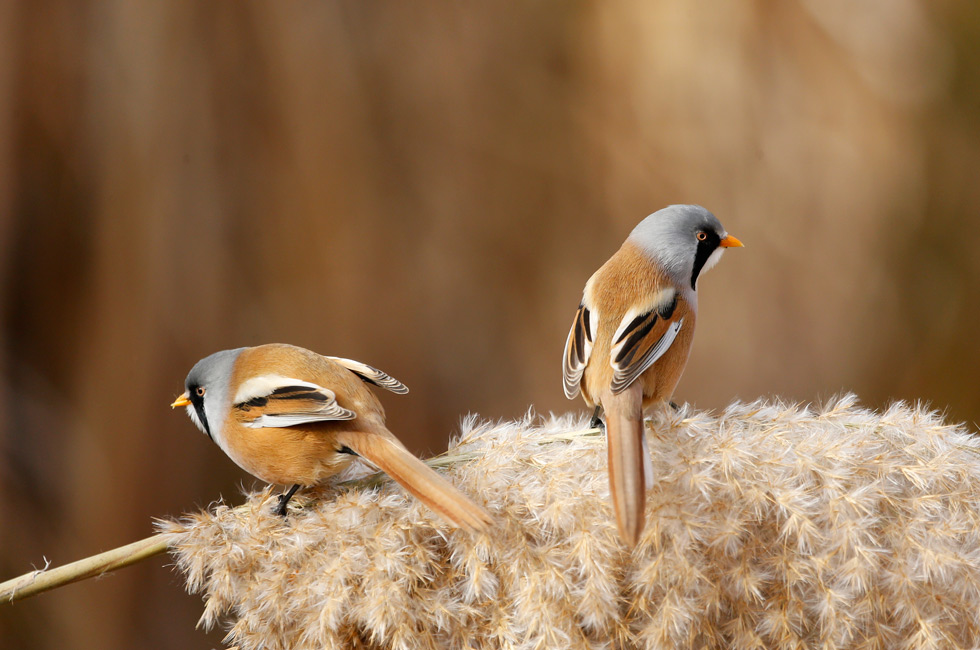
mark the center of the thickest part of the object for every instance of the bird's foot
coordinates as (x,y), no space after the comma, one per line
(284,498)
(595,422)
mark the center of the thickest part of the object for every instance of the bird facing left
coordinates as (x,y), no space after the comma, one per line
(293,417)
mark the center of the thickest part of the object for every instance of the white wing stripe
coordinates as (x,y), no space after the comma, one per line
(622,381)
(661,298)
(663,344)
(265,385)
(332,412)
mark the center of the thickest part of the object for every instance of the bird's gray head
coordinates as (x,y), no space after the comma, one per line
(206,388)
(686,241)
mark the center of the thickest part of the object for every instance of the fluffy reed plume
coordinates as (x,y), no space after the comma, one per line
(769,526)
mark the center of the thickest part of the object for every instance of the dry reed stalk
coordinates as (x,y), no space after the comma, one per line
(41,580)
(769,526)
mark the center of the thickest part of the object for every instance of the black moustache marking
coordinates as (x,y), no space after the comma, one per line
(706,247)
(346,450)
(198,403)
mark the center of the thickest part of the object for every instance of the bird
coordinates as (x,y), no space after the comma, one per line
(292,417)
(631,336)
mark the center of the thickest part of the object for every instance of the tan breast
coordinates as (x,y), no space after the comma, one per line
(309,453)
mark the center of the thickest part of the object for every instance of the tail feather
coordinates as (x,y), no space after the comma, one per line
(626,447)
(421,480)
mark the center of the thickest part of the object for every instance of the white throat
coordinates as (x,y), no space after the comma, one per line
(712,260)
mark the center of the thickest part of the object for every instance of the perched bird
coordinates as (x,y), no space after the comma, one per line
(631,337)
(293,417)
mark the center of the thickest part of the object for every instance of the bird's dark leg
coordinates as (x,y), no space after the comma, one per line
(674,406)
(284,499)
(595,422)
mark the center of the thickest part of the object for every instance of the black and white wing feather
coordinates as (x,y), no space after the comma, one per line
(578,348)
(642,338)
(277,401)
(372,375)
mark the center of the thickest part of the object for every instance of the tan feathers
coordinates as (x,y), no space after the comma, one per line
(391,457)
(627,348)
(295,417)
(625,456)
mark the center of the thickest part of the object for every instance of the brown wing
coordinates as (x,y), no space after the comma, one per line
(276,401)
(578,347)
(643,338)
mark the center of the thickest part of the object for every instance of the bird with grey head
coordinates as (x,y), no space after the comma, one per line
(631,337)
(290,416)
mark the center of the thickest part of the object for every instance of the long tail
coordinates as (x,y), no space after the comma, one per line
(624,439)
(418,478)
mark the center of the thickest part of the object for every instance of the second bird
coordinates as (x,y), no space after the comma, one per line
(294,417)
(631,337)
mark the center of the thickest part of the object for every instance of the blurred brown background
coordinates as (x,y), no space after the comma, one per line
(427,189)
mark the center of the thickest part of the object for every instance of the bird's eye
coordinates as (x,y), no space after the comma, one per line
(702,235)
(200,391)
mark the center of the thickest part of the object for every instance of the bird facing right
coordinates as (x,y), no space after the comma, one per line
(631,337)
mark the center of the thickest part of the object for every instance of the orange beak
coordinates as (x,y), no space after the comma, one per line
(183,400)
(730,242)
